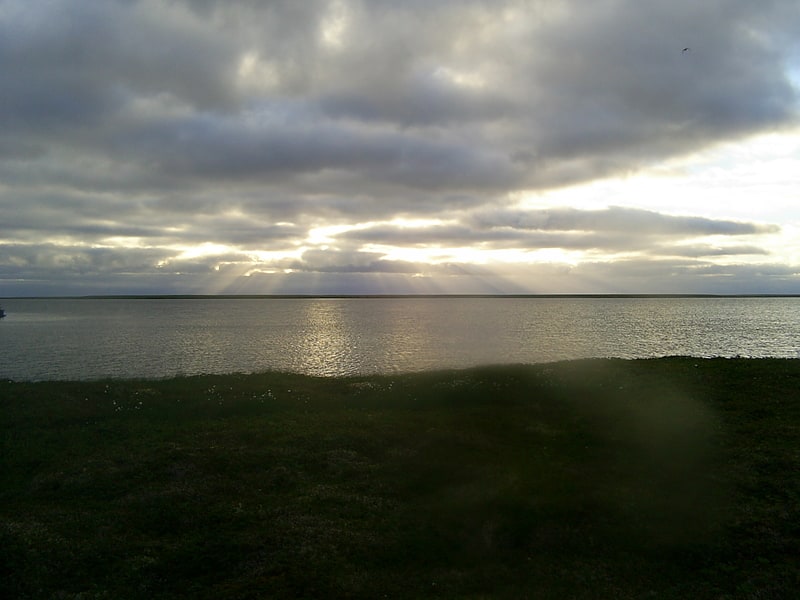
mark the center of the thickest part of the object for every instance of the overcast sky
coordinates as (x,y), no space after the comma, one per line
(373,146)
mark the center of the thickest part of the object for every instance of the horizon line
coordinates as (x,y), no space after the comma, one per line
(379,296)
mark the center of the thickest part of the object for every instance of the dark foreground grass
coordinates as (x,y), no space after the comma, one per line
(669,478)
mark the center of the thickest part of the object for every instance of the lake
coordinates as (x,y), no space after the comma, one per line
(49,339)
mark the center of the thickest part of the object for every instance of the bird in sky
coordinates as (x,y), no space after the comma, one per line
(687,49)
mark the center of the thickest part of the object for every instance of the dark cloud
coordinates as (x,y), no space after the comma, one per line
(289,142)
(613,229)
(325,261)
(435,96)
(615,219)
(45,261)
(684,276)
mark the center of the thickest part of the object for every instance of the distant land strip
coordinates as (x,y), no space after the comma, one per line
(378,296)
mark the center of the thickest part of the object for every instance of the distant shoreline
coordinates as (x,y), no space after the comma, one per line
(377,296)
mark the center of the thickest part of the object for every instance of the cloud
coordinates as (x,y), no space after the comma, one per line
(144,127)
(611,229)
(441,95)
(45,261)
(76,271)
(325,261)
(705,250)
(616,219)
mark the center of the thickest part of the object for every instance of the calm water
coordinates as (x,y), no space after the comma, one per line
(90,339)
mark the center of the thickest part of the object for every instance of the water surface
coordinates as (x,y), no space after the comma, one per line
(92,339)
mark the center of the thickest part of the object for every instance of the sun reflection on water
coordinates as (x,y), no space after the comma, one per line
(327,343)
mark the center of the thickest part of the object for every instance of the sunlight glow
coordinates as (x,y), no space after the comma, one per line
(274,256)
(434,255)
(121,241)
(326,234)
(333,25)
(256,74)
(427,255)
(464,79)
(757,180)
(203,250)
(550,255)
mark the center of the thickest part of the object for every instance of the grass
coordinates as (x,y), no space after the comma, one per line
(668,478)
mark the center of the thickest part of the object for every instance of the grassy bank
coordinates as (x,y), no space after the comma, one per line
(669,478)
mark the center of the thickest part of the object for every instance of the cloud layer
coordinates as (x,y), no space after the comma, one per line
(182,145)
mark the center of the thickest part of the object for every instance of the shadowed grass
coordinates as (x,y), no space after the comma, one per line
(669,478)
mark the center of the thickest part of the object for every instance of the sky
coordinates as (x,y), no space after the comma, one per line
(380,147)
